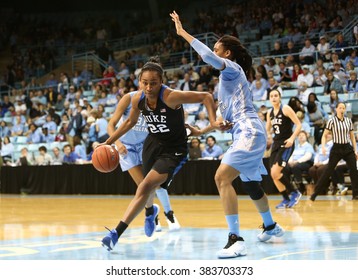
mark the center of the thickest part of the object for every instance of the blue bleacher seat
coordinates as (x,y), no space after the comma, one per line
(324,99)
(354,106)
(289,93)
(21,139)
(318,90)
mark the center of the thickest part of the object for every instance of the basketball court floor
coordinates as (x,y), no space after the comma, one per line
(71,228)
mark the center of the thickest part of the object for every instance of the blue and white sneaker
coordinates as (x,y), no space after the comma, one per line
(283,204)
(110,240)
(294,199)
(270,231)
(149,222)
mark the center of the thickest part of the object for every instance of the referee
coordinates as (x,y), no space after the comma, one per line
(344,147)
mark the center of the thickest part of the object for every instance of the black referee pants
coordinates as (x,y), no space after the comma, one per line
(338,152)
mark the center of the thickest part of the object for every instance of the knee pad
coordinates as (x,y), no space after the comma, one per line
(253,189)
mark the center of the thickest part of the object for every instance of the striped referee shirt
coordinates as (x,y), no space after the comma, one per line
(340,129)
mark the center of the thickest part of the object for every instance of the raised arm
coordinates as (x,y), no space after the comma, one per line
(206,54)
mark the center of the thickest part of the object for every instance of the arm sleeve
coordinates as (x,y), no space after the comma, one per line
(207,55)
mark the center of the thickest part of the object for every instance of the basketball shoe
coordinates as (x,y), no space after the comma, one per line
(110,240)
(149,222)
(294,199)
(283,204)
(270,231)
(172,221)
(235,247)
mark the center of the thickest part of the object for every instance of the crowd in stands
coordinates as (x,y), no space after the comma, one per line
(73,109)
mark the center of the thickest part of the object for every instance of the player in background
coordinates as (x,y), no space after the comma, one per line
(280,121)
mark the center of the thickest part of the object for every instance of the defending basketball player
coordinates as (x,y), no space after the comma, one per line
(165,149)
(244,157)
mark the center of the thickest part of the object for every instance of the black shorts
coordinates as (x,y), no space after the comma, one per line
(163,159)
(280,154)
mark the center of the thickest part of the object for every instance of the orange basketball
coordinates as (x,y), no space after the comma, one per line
(105,158)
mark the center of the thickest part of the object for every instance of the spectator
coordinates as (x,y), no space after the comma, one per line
(92,134)
(320,160)
(317,121)
(332,83)
(61,136)
(212,150)
(296,104)
(25,158)
(258,91)
(195,148)
(51,81)
(7,149)
(123,71)
(101,126)
(285,75)
(340,46)
(307,53)
(339,72)
(18,128)
(47,137)
(187,84)
(323,49)
(50,125)
(79,148)
(296,71)
(305,125)
(76,124)
(352,82)
(351,58)
(333,101)
(184,66)
(20,106)
(43,158)
(301,160)
(319,76)
(34,134)
(277,50)
(57,156)
(202,120)
(304,82)
(107,76)
(69,157)
(273,85)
